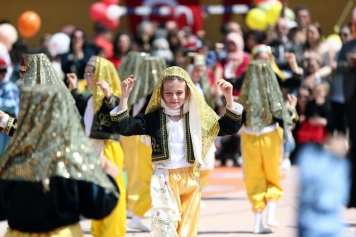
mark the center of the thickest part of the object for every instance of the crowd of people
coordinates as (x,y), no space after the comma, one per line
(186,99)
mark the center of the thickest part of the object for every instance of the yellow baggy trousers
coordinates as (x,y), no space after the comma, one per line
(113,225)
(261,167)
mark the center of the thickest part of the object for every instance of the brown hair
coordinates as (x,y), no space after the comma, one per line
(320,31)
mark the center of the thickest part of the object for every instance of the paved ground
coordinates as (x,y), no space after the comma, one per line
(228,212)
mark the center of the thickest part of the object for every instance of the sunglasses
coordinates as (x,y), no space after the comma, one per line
(303,96)
(3,71)
(344,34)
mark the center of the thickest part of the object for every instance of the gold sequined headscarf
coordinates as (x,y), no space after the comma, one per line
(149,71)
(104,71)
(199,113)
(40,71)
(131,64)
(49,141)
(262,98)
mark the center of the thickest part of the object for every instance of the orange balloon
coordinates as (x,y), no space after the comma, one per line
(29,24)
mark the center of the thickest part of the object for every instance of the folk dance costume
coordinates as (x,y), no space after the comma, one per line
(95,112)
(178,149)
(262,139)
(49,174)
(138,155)
(38,70)
(193,61)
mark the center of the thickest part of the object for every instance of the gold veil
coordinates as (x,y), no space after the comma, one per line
(40,71)
(49,141)
(203,120)
(104,71)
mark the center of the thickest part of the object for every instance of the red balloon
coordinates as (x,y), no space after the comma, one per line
(112,25)
(97,11)
(110,2)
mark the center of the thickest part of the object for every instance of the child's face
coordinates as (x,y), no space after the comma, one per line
(89,76)
(174,94)
(198,72)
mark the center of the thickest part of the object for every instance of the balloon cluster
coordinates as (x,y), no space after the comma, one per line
(266,13)
(107,12)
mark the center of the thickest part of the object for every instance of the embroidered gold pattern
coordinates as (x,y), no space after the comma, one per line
(232,115)
(104,120)
(10,125)
(163,155)
(120,117)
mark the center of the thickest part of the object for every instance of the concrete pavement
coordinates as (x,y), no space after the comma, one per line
(228,212)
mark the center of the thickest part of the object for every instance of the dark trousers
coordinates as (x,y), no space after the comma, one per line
(338,120)
(351,120)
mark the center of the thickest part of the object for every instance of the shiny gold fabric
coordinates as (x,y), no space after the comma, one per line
(262,98)
(105,71)
(49,141)
(187,190)
(149,72)
(131,64)
(40,71)
(264,48)
(66,231)
(208,118)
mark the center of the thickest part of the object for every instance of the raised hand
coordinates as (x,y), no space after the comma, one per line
(104,86)
(126,86)
(226,88)
(72,81)
(292,100)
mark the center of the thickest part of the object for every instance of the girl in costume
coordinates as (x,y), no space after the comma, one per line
(262,139)
(37,69)
(138,155)
(104,81)
(49,174)
(181,128)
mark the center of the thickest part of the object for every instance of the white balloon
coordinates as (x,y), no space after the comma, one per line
(58,44)
(113,12)
(8,35)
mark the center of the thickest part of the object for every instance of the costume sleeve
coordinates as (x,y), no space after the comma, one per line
(2,201)
(292,82)
(94,202)
(10,126)
(230,123)
(112,102)
(80,101)
(126,125)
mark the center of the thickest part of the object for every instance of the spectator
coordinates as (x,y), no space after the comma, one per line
(103,37)
(161,49)
(253,38)
(122,46)
(79,54)
(338,120)
(303,19)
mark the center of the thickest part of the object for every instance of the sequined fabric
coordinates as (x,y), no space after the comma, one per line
(40,71)
(208,118)
(131,64)
(149,71)
(105,71)
(50,141)
(262,98)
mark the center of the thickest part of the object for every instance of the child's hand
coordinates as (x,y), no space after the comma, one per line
(126,86)
(292,100)
(226,87)
(72,81)
(104,86)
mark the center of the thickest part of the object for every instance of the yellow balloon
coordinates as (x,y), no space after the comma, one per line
(256,19)
(274,13)
(334,37)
